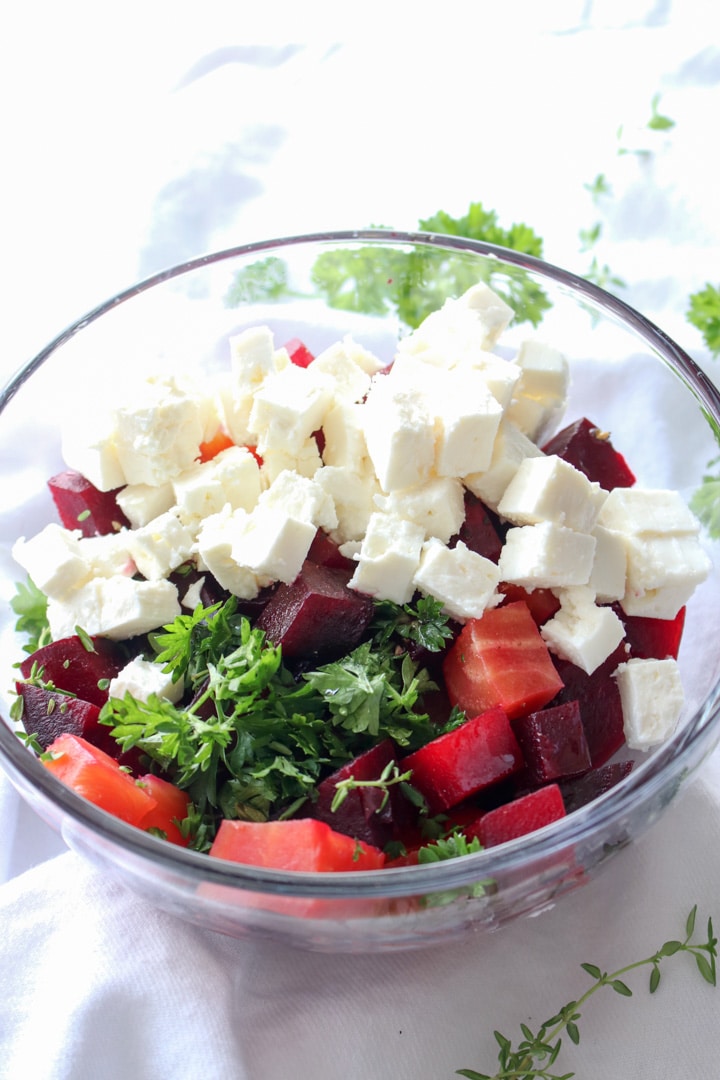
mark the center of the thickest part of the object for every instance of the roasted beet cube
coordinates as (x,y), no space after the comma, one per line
(542,603)
(299,352)
(553,743)
(652,639)
(581,790)
(71,665)
(521,816)
(361,813)
(317,616)
(456,765)
(47,714)
(325,552)
(81,506)
(481,530)
(599,700)
(589,449)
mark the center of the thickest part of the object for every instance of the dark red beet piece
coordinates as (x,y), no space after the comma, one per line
(81,506)
(481,530)
(599,700)
(299,352)
(47,715)
(325,552)
(589,449)
(361,814)
(70,666)
(553,743)
(521,816)
(451,768)
(652,639)
(317,616)
(583,789)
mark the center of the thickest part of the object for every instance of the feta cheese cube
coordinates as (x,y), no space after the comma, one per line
(399,433)
(541,391)
(652,699)
(546,556)
(463,581)
(232,476)
(53,559)
(510,449)
(140,503)
(438,506)
(304,460)
(301,498)
(647,512)
(345,369)
(272,545)
(215,541)
(345,446)
(353,496)
(582,632)
(549,489)
(388,558)
(141,678)
(287,408)
(161,546)
(607,579)
(117,607)
(467,417)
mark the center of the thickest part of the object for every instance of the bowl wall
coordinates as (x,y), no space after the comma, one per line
(626,376)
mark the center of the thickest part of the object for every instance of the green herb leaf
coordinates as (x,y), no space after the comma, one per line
(704,314)
(30,605)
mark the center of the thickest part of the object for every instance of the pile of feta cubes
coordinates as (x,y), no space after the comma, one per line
(386,479)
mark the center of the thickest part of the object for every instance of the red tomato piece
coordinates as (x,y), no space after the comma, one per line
(460,763)
(171,806)
(501,659)
(219,442)
(96,776)
(297,844)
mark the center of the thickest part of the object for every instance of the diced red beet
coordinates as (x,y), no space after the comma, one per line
(70,666)
(325,552)
(521,816)
(361,813)
(317,615)
(456,765)
(481,530)
(81,506)
(543,603)
(589,449)
(652,639)
(581,790)
(299,352)
(553,743)
(47,715)
(599,700)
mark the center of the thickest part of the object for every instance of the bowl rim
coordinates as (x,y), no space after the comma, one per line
(673,759)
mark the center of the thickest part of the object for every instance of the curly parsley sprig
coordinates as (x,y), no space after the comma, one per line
(536,1053)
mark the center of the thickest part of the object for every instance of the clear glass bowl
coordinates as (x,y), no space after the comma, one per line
(627,376)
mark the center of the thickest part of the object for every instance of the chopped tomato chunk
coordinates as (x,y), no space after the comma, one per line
(171,807)
(96,776)
(297,844)
(219,442)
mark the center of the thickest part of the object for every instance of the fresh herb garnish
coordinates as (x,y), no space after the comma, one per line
(424,624)
(30,605)
(389,777)
(537,1052)
(704,314)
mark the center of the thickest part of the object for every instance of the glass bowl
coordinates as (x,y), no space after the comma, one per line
(626,375)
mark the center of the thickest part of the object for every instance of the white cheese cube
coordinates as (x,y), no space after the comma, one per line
(345,445)
(161,546)
(353,495)
(287,408)
(463,581)
(232,476)
(607,579)
(544,372)
(400,434)
(90,449)
(304,460)
(141,678)
(467,417)
(500,375)
(582,632)
(53,560)
(388,558)
(193,594)
(253,357)
(160,435)
(438,506)
(117,607)
(546,556)
(547,488)
(272,544)
(215,542)
(652,699)
(346,369)
(647,512)
(300,498)
(664,603)
(491,311)
(510,449)
(662,573)
(108,555)
(140,503)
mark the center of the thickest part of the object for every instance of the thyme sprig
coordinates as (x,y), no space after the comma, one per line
(536,1053)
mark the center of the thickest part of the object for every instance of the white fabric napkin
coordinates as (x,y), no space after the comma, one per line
(202,139)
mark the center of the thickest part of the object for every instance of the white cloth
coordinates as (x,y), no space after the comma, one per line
(168,134)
